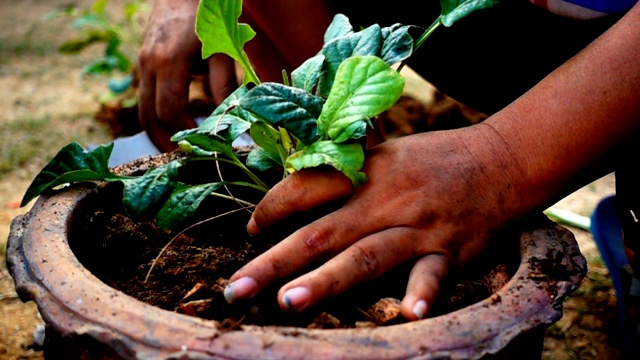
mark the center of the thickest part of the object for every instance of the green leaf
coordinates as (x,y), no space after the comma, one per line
(227,122)
(219,31)
(294,109)
(454,10)
(72,164)
(306,76)
(365,42)
(120,85)
(262,160)
(347,158)
(365,87)
(228,119)
(230,101)
(397,45)
(144,195)
(74,46)
(339,27)
(98,6)
(206,145)
(183,204)
(268,138)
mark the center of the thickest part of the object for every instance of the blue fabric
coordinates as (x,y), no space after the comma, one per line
(605,6)
(607,233)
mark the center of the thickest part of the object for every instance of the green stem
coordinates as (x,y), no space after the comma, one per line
(239,201)
(250,73)
(422,38)
(261,185)
(253,176)
(566,217)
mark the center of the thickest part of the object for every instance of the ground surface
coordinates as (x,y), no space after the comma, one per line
(44,104)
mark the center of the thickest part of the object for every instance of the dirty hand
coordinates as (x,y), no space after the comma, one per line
(434,198)
(170,54)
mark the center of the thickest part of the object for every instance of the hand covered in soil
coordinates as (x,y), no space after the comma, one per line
(170,55)
(435,199)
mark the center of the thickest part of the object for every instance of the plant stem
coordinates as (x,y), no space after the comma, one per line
(566,217)
(260,184)
(422,38)
(253,176)
(231,197)
(250,73)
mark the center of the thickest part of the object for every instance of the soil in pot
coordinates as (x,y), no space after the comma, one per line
(190,275)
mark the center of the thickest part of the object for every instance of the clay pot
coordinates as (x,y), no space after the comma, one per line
(88,319)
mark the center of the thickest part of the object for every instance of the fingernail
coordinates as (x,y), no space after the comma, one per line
(242,288)
(252,227)
(420,309)
(297,298)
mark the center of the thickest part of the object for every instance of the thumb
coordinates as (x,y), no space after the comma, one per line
(301,191)
(222,77)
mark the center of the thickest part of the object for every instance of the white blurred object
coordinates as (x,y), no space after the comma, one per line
(39,334)
(127,149)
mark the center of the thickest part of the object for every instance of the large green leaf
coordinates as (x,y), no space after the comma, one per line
(144,195)
(294,109)
(364,42)
(365,87)
(219,31)
(454,10)
(339,27)
(183,204)
(347,158)
(72,164)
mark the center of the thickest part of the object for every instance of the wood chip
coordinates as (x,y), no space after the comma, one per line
(384,311)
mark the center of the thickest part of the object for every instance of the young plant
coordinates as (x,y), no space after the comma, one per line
(320,118)
(120,38)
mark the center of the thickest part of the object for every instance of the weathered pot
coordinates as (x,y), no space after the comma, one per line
(88,319)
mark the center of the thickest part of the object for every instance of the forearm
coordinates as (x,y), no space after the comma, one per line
(556,136)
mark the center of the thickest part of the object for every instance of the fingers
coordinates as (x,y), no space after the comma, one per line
(147,112)
(424,285)
(309,245)
(365,260)
(301,191)
(223,80)
(359,262)
(163,96)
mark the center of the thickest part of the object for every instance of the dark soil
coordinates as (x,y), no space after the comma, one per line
(190,275)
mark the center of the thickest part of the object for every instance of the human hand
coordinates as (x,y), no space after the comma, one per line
(170,54)
(434,198)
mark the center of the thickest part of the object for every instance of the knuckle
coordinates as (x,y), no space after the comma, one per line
(317,241)
(366,259)
(152,57)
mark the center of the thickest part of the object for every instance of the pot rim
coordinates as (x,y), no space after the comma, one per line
(41,263)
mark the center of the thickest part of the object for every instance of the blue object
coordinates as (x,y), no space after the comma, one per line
(607,233)
(605,6)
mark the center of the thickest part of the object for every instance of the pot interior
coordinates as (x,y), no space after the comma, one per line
(190,274)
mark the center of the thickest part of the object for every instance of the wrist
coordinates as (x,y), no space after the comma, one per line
(501,171)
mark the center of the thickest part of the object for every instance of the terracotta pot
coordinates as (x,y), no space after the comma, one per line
(88,319)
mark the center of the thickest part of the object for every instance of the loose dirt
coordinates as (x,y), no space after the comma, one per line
(45,104)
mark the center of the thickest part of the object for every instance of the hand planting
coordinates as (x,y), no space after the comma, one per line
(318,115)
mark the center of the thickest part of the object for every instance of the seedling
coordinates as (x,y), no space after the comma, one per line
(320,118)
(120,38)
